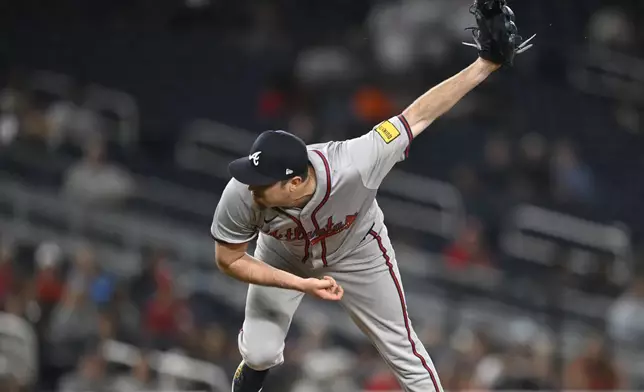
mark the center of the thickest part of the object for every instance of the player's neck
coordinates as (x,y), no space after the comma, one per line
(308,189)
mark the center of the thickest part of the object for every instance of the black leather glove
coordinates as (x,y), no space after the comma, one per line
(496,36)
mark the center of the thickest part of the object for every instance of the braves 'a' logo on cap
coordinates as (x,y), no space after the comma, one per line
(255,158)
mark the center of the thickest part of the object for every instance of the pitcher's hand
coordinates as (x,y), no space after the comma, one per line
(325,288)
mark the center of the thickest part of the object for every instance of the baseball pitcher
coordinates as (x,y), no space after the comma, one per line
(319,230)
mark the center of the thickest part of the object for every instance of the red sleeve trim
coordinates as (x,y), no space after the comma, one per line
(410,135)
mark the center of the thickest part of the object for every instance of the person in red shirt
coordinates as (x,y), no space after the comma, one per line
(594,370)
(6,272)
(49,285)
(382,381)
(468,249)
(166,316)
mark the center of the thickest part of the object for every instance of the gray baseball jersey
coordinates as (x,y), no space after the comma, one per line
(340,232)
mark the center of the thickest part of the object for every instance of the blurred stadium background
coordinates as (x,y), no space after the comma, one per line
(518,218)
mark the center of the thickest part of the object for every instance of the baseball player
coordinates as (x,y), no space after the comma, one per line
(319,229)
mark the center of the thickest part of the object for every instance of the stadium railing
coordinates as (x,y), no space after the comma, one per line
(119,108)
(168,364)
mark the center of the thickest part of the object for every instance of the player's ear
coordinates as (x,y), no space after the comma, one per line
(289,184)
(295,182)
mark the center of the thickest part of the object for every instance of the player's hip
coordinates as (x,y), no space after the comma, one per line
(370,247)
(373,251)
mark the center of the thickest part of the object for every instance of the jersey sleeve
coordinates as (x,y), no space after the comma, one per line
(233,221)
(375,153)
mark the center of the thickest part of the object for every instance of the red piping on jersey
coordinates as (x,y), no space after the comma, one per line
(410,135)
(324,200)
(306,237)
(404,309)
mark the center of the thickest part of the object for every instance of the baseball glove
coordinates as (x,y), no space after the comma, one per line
(496,36)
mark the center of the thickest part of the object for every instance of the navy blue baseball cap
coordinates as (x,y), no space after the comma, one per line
(274,156)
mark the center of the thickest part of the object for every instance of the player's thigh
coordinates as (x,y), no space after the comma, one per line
(376,302)
(376,299)
(271,305)
(268,315)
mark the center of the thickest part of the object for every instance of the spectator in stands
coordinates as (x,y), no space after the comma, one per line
(481,357)
(301,124)
(139,379)
(6,270)
(13,102)
(371,104)
(126,316)
(273,100)
(9,119)
(267,33)
(328,369)
(626,315)
(214,345)
(143,285)
(48,280)
(318,65)
(90,376)
(469,248)
(611,27)
(83,268)
(467,348)
(532,180)
(106,327)
(367,360)
(96,182)
(325,366)
(497,175)
(88,277)
(74,323)
(33,124)
(594,370)
(519,370)
(166,316)
(543,351)
(468,183)
(497,165)
(18,343)
(572,179)
(395,43)
(381,379)
(70,120)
